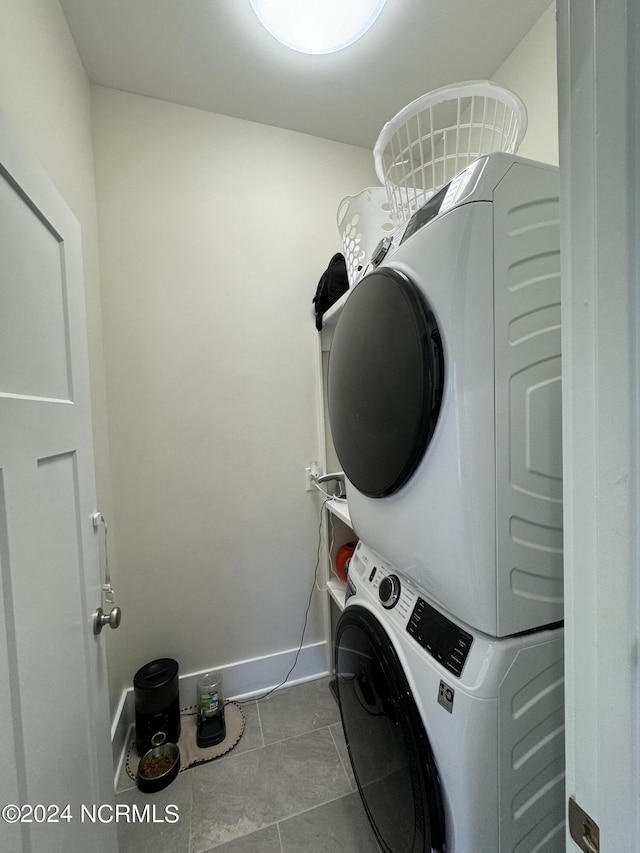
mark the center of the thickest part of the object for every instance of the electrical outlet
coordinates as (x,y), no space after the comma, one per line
(310,472)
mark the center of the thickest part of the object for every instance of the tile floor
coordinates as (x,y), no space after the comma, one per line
(286,787)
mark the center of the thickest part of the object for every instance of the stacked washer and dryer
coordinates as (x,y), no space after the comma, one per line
(444,393)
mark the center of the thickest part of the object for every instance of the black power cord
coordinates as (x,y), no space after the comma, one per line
(306,619)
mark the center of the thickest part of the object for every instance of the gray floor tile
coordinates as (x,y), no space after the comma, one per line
(295,710)
(336,827)
(337,733)
(264,841)
(254,789)
(149,836)
(293,795)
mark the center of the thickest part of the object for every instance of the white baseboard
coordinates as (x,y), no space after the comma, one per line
(241,680)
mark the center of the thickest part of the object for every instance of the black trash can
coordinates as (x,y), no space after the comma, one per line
(157,702)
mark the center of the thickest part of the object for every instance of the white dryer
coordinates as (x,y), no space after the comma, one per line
(444,392)
(456,739)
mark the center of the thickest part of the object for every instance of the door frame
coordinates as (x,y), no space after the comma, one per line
(599,88)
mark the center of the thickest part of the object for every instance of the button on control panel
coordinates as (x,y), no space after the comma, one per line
(445,641)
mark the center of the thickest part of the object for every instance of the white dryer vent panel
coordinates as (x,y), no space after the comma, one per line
(528,397)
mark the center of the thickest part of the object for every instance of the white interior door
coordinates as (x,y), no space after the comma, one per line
(53,694)
(599,90)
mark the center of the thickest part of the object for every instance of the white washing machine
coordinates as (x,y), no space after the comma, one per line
(456,739)
(444,393)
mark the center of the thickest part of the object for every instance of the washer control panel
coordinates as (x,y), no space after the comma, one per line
(445,641)
(439,636)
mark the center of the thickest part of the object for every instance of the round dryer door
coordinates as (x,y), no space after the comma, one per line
(388,746)
(385,381)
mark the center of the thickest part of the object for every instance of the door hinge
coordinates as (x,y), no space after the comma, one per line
(583,829)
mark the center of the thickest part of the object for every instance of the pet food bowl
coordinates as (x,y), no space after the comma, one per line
(158,767)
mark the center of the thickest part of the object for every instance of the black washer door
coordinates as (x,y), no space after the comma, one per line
(386,375)
(388,746)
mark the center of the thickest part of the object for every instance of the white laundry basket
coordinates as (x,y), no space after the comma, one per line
(363,220)
(436,136)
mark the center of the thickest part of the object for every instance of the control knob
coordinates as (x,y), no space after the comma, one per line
(378,254)
(389,591)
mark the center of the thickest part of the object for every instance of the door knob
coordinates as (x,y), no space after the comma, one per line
(100,619)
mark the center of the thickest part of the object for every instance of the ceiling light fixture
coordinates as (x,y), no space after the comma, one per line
(317,26)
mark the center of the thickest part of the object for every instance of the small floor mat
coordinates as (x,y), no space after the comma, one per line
(190,752)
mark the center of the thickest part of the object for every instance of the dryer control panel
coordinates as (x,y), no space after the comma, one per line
(445,641)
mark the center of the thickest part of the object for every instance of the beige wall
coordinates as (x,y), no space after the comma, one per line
(213,234)
(46,96)
(530,71)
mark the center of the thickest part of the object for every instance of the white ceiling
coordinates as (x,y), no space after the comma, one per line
(215,55)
